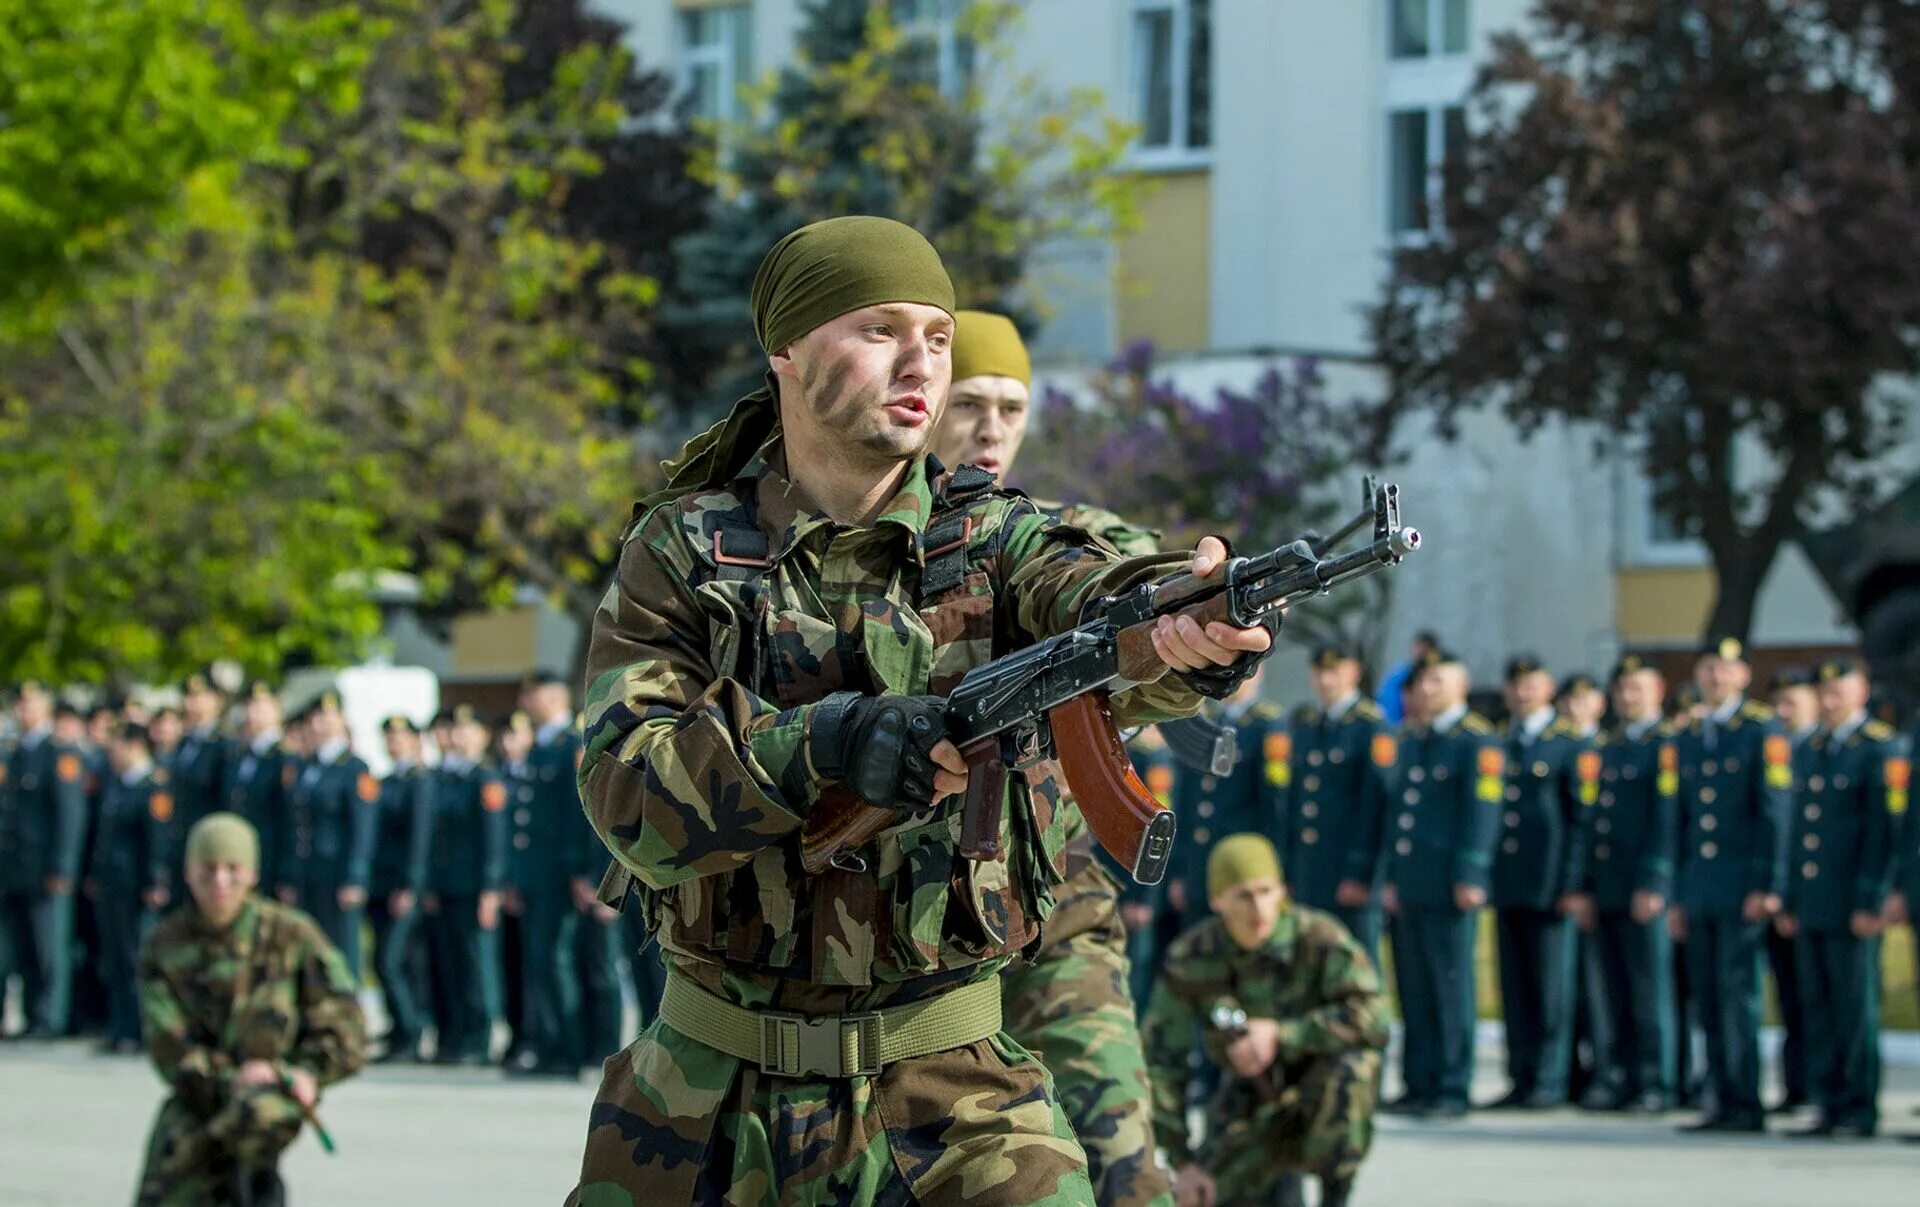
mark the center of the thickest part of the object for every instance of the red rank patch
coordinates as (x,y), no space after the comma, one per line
(369,788)
(288,774)
(1279,747)
(1778,751)
(67,768)
(1589,765)
(493,797)
(1669,758)
(1899,774)
(1160,781)
(160,805)
(1492,762)
(1385,750)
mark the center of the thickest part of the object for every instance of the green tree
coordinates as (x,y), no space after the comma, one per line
(861,123)
(1695,225)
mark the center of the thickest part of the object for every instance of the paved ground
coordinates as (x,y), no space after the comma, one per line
(72,1125)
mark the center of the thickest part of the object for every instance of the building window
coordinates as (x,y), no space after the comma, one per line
(1417,27)
(1418,142)
(714,61)
(938,21)
(1173,76)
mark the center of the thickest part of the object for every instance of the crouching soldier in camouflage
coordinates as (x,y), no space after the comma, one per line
(1289,1006)
(247,1012)
(785,619)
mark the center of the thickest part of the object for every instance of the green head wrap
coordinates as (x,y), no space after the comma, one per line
(1240,859)
(988,345)
(223,838)
(811,277)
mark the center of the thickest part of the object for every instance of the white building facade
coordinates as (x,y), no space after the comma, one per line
(1290,145)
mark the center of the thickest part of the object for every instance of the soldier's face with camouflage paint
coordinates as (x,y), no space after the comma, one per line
(1251,911)
(1797,707)
(1841,699)
(984,424)
(868,386)
(220,887)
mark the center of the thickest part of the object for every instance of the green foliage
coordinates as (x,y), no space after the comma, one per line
(861,124)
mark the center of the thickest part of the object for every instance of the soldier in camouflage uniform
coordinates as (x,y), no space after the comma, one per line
(1069,1002)
(782,622)
(248,1012)
(1287,1003)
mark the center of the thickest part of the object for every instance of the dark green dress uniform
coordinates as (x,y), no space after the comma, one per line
(1906,841)
(129,860)
(555,760)
(333,822)
(1736,787)
(1841,858)
(43,826)
(1440,833)
(1630,963)
(199,773)
(1553,775)
(254,789)
(1209,807)
(88,1015)
(1783,959)
(1155,767)
(469,858)
(400,865)
(1331,781)
(544,851)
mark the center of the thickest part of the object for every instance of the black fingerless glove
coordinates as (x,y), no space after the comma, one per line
(1219,682)
(879,746)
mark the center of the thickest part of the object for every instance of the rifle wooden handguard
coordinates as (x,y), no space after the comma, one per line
(1127,819)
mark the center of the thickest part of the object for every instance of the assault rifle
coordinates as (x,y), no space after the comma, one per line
(1050,700)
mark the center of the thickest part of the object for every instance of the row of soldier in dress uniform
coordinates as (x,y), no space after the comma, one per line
(1642,873)
(470,863)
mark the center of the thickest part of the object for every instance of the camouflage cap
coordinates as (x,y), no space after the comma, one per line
(1241,859)
(223,838)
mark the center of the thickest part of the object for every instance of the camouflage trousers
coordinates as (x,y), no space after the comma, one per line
(676,1122)
(1071,1007)
(192,1159)
(1320,1121)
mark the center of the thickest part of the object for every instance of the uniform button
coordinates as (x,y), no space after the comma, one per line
(1629,772)
(1606,800)
(1708,796)
(1610,774)
(1709,767)
(1811,842)
(1416,774)
(1813,812)
(521,842)
(1540,768)
(1816,782)
(1309,836)
(1810,870)
(1603,826)
(1733,765)
(1311,783)
(1708,850)
(1513,792)
(1840,783)
(522,816)
(547,773)
(1709,822)
(1603,851)
(1412,796)
(1513,821)
(1439,773)
(1206,808)
(1406,821)
(1207,782)
(526,793)
(1309,810)
(1404,846)
(1336,756)
(303,850)
(1511,846)
(1313,758)
(1202,834)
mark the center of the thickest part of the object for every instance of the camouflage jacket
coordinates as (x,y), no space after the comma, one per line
(268,987)
(1311,976)
(699,682)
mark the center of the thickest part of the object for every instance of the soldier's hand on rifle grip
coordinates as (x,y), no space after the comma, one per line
(892,751)
(1215,659)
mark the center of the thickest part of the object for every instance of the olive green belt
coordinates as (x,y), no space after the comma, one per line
(832,1045)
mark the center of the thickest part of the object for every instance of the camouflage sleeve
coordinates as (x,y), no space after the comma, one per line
(1353,1008)
(332,1043)
(1167,1033)
(200,1075)
(686,772)
(1130,539)
(1053,572)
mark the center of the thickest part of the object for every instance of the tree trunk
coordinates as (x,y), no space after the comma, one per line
(1739,571)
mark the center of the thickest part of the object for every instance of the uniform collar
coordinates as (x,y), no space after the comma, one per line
(788,514)
(1535,723)
(32,738)
(456,764)
(1848,727)
(404,766)
(332,752)
(1800,735)
(1639,729)
(1341,707)
(1445,722)
(264,742)
(1725,713)
(545,735)
(134,775)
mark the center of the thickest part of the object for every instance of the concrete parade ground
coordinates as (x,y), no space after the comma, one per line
(72,1124)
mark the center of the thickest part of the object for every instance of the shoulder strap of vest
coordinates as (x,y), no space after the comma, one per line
(730,540)
(950,531)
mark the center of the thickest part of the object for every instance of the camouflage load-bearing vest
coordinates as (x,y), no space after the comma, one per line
(919,909)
